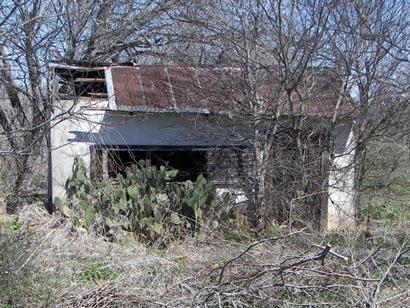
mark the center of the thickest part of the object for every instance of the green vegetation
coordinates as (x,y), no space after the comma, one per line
(146,203)
(53,260)
(94,271)
(386,184)
(23,281)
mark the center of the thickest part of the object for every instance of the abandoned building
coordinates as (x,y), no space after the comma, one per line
(112,116)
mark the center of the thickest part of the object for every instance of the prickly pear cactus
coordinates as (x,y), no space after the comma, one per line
(145,201)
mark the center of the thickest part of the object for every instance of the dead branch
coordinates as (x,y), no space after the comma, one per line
(347,259)
(251,247)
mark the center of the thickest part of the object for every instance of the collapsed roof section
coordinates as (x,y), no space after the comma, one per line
(79,81)
(184,89)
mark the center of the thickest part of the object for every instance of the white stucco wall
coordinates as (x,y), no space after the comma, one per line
(341,211)
(63,129)
(73,137)
(89,124)
(164,129)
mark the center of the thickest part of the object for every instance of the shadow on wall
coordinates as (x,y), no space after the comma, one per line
(165,130)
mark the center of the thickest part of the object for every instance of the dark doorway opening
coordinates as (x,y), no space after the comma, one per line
(190,163)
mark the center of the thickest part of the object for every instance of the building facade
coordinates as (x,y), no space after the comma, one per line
(112,116)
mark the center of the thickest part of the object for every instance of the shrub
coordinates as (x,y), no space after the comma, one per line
(22,283)
(93,271)
(145,201)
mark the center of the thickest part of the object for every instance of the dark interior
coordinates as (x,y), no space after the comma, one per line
(88,83)
(190,164)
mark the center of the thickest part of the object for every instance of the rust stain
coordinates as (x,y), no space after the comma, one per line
(221,90)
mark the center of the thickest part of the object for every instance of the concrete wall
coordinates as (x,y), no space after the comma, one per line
(164,129)
(63,132)
(73,137)
(341,211)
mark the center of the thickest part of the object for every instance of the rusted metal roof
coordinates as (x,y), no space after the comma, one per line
(171,88)
(167,88)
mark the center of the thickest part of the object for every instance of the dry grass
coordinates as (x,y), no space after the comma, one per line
(80,270)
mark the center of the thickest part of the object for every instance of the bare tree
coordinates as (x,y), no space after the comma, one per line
(369,47)
(291,46)
(275,44)
(35,32)
(281,48)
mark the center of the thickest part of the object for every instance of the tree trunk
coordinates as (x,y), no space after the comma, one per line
(15,198)
(260,199)
(360,155)
(325,164)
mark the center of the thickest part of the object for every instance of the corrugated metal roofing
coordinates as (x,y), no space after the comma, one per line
(167,88)
(172,88)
